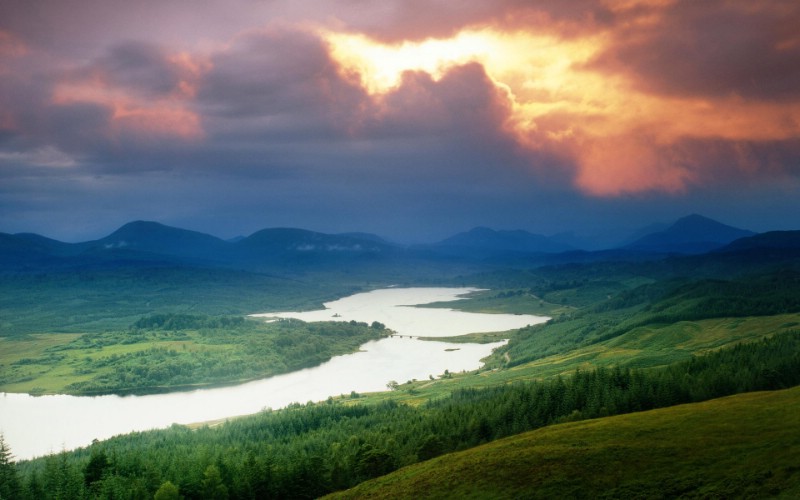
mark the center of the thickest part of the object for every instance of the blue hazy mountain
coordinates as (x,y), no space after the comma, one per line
(693,234)
(152,237)
(293,245)
(284,250)
(142,241)
(486,242)
(772,240)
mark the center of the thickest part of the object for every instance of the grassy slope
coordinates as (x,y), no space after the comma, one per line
(741,446)
(644,347)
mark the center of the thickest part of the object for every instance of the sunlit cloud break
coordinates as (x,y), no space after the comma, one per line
(438,106)
(621,138)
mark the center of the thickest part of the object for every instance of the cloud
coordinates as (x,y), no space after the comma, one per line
(457,108)
(277,81)
(711,49)
(147,93)
(42,157)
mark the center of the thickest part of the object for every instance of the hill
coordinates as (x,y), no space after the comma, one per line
(484,243)
(740,446)
(307,248)
(787,240)
(152,237)
(692,234)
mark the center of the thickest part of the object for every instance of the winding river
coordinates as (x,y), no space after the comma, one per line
(34,426)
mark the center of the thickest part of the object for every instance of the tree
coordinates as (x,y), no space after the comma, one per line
(373,462)
(213,487)
(167,491)
(392,385)
(97,465)
(9,481)
(431,447)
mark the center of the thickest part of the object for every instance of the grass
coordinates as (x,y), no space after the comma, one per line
(643,347)
(735,447)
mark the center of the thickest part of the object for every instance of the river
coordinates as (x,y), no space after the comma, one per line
(35,426)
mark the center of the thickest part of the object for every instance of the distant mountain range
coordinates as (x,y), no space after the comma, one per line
(149,243)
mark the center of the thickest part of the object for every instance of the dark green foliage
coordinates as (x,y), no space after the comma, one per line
(308,450)
(212,486)
(174,321)
(9,480)
(167,491)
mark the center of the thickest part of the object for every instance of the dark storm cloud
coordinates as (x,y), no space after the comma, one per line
(712,48)
(279,81)
(140,67)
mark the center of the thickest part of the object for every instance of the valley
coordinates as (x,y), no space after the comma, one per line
(628,331)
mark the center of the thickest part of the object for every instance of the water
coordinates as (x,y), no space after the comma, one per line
(34,426)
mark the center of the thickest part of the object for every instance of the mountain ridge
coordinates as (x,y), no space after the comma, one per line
(279,248)
(693,234)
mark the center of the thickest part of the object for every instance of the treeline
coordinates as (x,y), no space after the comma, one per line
(308,450)
(167,321)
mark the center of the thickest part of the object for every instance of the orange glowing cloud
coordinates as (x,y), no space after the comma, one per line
(621,135)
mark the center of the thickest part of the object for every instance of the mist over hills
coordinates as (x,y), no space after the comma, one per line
(145,242)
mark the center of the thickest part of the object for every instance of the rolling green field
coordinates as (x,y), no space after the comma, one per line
(744,446)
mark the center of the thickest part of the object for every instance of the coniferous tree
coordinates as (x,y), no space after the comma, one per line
(213,487)
(167,491)
(9,480)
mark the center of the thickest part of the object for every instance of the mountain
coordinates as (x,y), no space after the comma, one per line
(285,249)
(771,240)
(290,240)
(136,243)
(692,234)
(483,242)
(640,233)
(153,237)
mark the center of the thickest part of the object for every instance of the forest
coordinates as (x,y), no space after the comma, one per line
(305,451)
(623,337)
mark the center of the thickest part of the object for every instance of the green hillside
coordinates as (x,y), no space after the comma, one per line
(741,446)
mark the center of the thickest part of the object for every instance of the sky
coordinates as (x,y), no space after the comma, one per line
(407,118)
